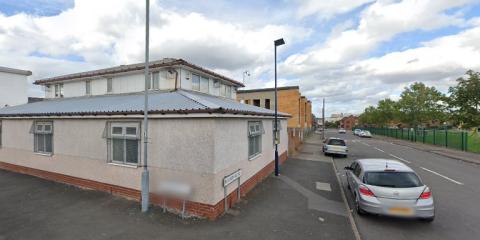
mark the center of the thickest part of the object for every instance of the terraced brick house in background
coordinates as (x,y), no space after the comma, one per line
(87,132)
(290,101)
(349,122)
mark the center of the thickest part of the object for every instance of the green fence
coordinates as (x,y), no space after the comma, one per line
(460,140)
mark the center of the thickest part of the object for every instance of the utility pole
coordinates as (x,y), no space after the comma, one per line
(145,174)
(323,119)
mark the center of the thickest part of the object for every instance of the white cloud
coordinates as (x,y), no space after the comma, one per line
(106,33)
(378,23)
(327,9)
(338,68)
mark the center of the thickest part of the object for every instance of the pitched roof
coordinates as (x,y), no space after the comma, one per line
(15,71)
(166,62)
(160,102)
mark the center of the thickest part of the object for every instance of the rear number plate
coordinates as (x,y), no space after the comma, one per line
(401,211)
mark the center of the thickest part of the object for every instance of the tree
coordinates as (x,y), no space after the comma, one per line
(382,115)
(387,111)
(464,101)
(422,105)
(369,116)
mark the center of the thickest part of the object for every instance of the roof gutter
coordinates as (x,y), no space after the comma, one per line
(178,62)
(128,113)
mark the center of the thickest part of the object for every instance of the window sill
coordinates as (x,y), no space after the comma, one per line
(123,165)
(254,157)
(44,154)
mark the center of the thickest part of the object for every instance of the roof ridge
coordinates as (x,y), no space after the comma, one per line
(198,99)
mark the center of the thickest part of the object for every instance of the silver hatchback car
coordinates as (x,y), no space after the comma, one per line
(389,187)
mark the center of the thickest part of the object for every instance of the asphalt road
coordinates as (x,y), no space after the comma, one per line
(455,186)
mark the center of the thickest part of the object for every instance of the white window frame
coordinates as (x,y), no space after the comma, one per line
(255,132)
(194,85)
(109,85)
(58,90)
(123,136)
(228,91)
(204,84)
(40,131)
(223,90)
(216,83)
(154,81)
(88,87)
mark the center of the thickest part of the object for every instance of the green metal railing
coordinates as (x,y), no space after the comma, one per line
(460,140)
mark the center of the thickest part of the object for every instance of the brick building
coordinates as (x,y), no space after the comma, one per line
(349,122)
(290,101)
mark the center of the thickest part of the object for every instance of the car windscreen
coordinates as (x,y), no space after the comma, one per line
(392,179)
(336,142)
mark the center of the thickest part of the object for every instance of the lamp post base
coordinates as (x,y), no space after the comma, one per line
(145,190)
(277,170)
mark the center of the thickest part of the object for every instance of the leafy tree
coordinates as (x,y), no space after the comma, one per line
(387,111)
(421,105)
(369,116)
(382,115)
(464,100)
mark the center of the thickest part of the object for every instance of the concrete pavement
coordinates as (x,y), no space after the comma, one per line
(303,203)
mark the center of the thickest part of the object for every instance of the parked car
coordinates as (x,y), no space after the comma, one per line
(357,131)
(389,187)
(342,130)
(335,146)
(365,134)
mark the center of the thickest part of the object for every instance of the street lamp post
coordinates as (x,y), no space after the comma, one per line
(276,43)
(145,174)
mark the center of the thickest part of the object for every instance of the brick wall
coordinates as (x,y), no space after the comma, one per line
(192,208)
(288,103)
(349,122)
(294,140)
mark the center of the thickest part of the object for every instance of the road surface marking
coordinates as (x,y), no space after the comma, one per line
(323,186)
(399,158)
(366,144)
(379,149)
(438,174)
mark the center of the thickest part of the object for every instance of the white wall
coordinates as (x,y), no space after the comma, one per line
(193,150)
(132,83)
(13,89)
(72,89)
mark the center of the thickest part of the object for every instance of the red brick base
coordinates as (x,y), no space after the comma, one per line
(192,208)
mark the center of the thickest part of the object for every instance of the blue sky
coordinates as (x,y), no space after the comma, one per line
(353,53)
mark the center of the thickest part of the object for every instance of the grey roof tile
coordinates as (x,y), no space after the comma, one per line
(179,101)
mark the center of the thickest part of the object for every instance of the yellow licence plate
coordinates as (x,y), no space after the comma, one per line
(402,211)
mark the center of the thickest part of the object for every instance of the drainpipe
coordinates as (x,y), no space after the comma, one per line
(176,78)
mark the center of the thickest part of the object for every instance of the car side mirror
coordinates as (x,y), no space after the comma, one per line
(348,168)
